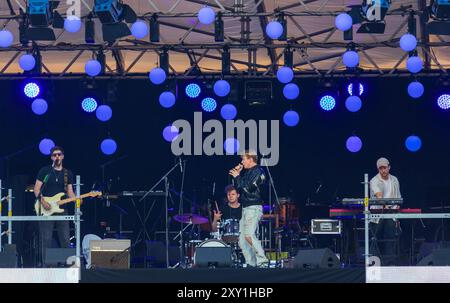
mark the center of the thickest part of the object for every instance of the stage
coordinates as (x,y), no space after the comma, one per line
(224,275)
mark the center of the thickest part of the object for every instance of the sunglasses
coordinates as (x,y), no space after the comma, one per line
(56,154)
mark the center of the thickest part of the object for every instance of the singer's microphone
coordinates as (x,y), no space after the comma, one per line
(181,164)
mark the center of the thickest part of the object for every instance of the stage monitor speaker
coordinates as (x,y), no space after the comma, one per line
(57,257)
(110,253)
(316,258)
(440,257)
(213,257)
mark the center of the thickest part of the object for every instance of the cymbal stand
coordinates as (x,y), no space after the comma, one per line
(182,262)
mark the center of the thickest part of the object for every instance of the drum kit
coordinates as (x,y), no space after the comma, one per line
(227,235)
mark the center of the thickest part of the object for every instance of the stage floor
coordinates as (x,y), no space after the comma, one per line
(223,275)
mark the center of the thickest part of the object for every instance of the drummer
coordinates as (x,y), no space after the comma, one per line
(232,210)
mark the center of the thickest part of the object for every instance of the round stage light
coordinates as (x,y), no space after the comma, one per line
(408,42)
(414,64)
(291,91)
(350,59)
(343,22)
(228,111)
(193,90)
(31,90)
(206,15)
(89,104)
(222,88)
(353,144)
(45,146)
(443,101)
(231,146)
(209,104)
(27,62)
(39,106)
(103,113)
(350,89)
(415,89)
(157,75)
(353,103)
(413,143)
(327,102)
(167,99)
(291,118)
(6,38)
(72,24)
(108,146)
(274,29)
(170,133)
(93,68)
(285,74)
(139,29)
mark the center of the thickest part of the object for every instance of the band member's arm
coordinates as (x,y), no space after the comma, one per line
(37,188)
(70,192)
(217,217)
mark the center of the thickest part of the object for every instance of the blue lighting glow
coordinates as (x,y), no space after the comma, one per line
(350,89)
(209,104)
(443,101)
(31,90)
(327,103)
(89,105)
(193,90)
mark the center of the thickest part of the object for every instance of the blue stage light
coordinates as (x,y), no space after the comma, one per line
(209,104)
(193,90)
(443,101)
(31,90)
(327,102)
(350,89)
(89,104)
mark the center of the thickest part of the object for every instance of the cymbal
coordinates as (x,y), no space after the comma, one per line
(190,218)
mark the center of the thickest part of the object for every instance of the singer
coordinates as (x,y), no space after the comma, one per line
(51,180)
(249,180)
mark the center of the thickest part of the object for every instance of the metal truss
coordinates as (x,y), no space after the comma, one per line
(247,60)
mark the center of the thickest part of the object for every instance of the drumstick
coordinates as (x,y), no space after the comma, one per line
(217,207)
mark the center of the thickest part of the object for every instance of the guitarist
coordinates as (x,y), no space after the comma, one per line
(51,180)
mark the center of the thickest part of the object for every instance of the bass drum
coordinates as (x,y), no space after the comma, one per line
(222,255)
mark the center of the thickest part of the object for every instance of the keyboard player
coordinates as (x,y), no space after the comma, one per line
(385,185)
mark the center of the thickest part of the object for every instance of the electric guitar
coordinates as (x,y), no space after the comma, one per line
(56,201)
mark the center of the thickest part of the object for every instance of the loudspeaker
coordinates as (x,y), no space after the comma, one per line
(440,257)
(316,258)
(8,257)
(110,253)
(58,256)
(213,257)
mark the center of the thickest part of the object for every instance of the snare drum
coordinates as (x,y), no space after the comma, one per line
(231,231)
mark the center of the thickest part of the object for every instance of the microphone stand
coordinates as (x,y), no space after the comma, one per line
(180,212)
(272,186)
(166,193)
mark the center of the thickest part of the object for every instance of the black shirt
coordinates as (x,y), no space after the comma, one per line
(251,184)
(231,213)
(54,183)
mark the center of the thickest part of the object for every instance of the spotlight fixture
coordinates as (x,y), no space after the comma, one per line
(193,90)
(112,13)
(31,90)
(89,104)
(89,30)
(41,15)
(288,58)
(154,28)
(219,33)
(371,15)
(164,60)
(439,11)
(282,21)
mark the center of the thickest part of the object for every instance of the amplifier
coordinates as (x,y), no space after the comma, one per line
(326,226)
(110,253)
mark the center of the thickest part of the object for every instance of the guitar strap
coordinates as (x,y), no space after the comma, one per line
(66,179)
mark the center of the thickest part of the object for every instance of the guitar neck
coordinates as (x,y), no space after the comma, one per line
(68,200)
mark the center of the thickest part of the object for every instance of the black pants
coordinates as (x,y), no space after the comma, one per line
(46,235)
(384,237)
